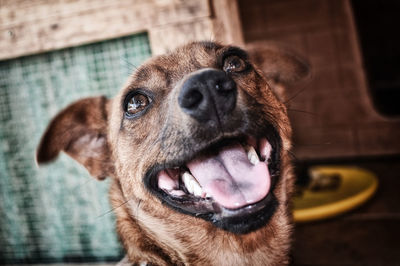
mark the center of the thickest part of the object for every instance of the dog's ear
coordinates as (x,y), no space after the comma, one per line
(80,130)
(280,66)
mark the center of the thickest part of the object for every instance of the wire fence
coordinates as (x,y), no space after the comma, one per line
(55,213)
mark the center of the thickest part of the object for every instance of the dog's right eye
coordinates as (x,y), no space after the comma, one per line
(136,104)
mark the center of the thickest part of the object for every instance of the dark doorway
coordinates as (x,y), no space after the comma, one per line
(378,24)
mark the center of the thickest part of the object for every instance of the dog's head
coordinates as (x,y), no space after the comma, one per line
(197,132)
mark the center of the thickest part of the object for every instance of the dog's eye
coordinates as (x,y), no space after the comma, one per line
(234,64)
(136,103)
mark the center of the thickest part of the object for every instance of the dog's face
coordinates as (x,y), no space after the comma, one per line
(201,131)
(196,139)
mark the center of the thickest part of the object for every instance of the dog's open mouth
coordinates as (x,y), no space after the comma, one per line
(226,184)
(235,177)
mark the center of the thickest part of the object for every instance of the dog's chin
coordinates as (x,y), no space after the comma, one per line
(230,183)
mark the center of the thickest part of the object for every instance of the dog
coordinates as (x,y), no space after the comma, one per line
(197,145)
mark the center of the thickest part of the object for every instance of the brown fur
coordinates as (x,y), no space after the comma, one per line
(93,132)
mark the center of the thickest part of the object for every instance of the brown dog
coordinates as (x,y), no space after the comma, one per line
(197,146)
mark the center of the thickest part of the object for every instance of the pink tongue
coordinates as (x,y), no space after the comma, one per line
(230,178)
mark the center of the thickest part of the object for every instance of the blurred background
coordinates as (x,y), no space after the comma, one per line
(347,112)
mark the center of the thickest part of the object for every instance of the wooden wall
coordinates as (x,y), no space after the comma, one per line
(339,119)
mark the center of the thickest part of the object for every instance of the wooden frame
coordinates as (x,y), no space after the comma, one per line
(35,26)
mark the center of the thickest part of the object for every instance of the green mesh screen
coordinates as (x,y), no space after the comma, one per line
(57,212)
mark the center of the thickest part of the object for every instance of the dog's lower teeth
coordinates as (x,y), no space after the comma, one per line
(176,193)
(192,185)
(252,155)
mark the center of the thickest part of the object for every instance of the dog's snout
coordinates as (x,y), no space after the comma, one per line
(208,95)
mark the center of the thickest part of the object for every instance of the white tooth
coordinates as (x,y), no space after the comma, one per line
(186,178)
(191,184)
(252,155)
(177,193)
(197,191)
(190,187)
(265,149)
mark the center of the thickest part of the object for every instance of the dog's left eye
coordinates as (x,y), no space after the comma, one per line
(136,104)
(234,64)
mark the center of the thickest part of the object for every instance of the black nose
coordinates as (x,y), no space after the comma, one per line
(208,95)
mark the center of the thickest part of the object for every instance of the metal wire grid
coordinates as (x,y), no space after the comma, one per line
(55,213)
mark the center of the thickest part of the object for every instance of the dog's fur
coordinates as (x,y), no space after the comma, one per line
(96,133)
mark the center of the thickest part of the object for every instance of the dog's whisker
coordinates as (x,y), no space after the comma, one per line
(291,98)
(316,144)
(113,209)
(130,66)
(301,111)
(89,180)
(294,157)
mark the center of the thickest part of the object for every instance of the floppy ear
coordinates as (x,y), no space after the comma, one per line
(80,130)
(281,67)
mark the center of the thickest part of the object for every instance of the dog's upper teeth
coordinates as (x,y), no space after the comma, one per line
(192,185)
(265,149)
(252,155)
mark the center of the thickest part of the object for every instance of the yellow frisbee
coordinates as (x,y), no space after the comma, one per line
(350,187)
